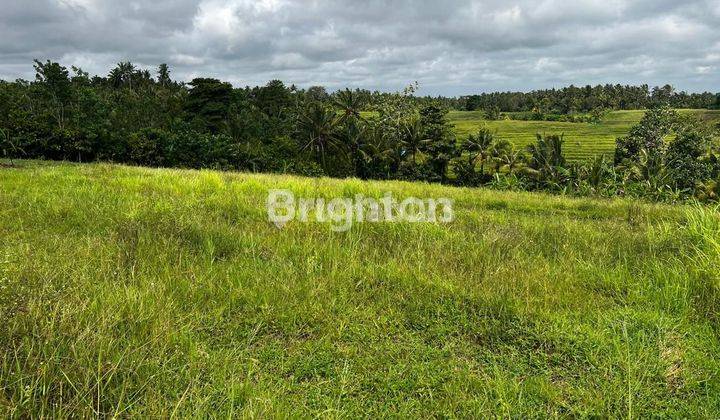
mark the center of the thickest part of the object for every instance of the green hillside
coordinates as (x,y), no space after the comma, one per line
(131,292)
(582,140)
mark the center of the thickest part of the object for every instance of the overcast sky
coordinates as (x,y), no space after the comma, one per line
(449,47)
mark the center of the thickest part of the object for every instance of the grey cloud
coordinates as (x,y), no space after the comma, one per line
(451,47)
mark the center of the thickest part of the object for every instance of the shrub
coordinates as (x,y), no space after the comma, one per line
(146,147)
(684,159)
(649,134)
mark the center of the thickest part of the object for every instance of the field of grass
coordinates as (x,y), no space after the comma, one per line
(582,140)
(138,292)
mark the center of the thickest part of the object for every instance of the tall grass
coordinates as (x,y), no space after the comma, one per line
(130,292)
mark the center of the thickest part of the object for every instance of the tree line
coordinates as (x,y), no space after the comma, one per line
(138,117)
(574,99)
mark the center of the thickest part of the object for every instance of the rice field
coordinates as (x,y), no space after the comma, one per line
(582,140)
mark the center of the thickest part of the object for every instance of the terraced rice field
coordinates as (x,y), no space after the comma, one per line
(582,140)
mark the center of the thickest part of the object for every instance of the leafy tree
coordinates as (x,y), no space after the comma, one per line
(8,147)
(498,149)
(380,154)
(649,169)
(476,149)
(482,143)
(465,165)
(573,99)
(353,135)
(649,134)
(685,159)
(439,140)
(273,99)
(130,117)
(208,103)
(147,147)
(54,81)
(596,172)
(388,128)
(317,93)
(597,115)
(662,95)
(80,78)
(708,190)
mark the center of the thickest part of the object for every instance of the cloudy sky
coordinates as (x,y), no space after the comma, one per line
(449,47)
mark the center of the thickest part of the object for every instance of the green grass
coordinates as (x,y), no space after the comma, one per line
(138,292)
(582,140)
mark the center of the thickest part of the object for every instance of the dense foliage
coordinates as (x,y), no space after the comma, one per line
(574,99)
(132,117)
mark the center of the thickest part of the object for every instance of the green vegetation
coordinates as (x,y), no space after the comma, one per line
(154,292)
(559,140)
(583,141)
(573,99)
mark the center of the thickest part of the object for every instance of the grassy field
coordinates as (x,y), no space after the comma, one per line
(582,140)
(138,292)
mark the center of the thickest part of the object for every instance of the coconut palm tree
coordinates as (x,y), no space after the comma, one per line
(479,147)
(380,155)
(122,75)
(412,140)
(163,77)
(547,162)
(650,169)
(349,104)
(510,159)
(497,149)
(317,129)
(597,171)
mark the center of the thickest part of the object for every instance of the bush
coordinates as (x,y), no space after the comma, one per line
(648,135)
(146,147)
(684,159)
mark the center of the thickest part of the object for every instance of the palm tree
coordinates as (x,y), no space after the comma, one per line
(499,148)
(597,171)
(547,152)
(317,129)
(122,75)
(412,139)
(349,104)
(163,75)
(510,159)
(479,146)
(651,169)
(547,162)
(353,136)
(380,155)
(475,148)
(115,77)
